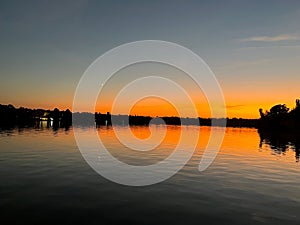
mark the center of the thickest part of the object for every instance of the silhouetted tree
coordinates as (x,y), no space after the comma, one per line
(279,109)
(297,103)
(66,118)
(280,118)
(262,115)
(8,115)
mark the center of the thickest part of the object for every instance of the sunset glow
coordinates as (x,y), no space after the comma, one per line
(255,58)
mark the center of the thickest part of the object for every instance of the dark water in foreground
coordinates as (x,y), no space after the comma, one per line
(45,180)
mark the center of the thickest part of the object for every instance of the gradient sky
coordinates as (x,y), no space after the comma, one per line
(253,47)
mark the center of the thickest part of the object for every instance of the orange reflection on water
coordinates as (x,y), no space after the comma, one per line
(243,144)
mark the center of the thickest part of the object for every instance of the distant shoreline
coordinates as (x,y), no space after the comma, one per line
(11,116)
(278,118)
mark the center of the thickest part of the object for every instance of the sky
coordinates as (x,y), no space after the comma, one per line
(253,48)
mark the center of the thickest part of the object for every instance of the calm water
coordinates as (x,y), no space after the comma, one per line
(255,179)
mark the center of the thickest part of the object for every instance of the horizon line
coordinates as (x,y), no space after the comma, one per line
(93,113)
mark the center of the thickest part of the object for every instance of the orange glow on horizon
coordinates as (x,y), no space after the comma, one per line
(246,108)
(153,107)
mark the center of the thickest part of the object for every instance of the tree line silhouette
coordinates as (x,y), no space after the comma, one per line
(280,117)
(108,119)
(279,128)
(11,116)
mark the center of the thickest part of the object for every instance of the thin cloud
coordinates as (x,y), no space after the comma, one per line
(283,37)
(273,46)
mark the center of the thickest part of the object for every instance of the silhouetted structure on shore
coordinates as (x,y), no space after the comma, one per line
(103,119)
(280,118)
(22,117)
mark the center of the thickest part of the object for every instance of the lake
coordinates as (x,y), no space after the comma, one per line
(255,179)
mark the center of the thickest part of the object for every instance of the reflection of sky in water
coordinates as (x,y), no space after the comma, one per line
(44,177)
